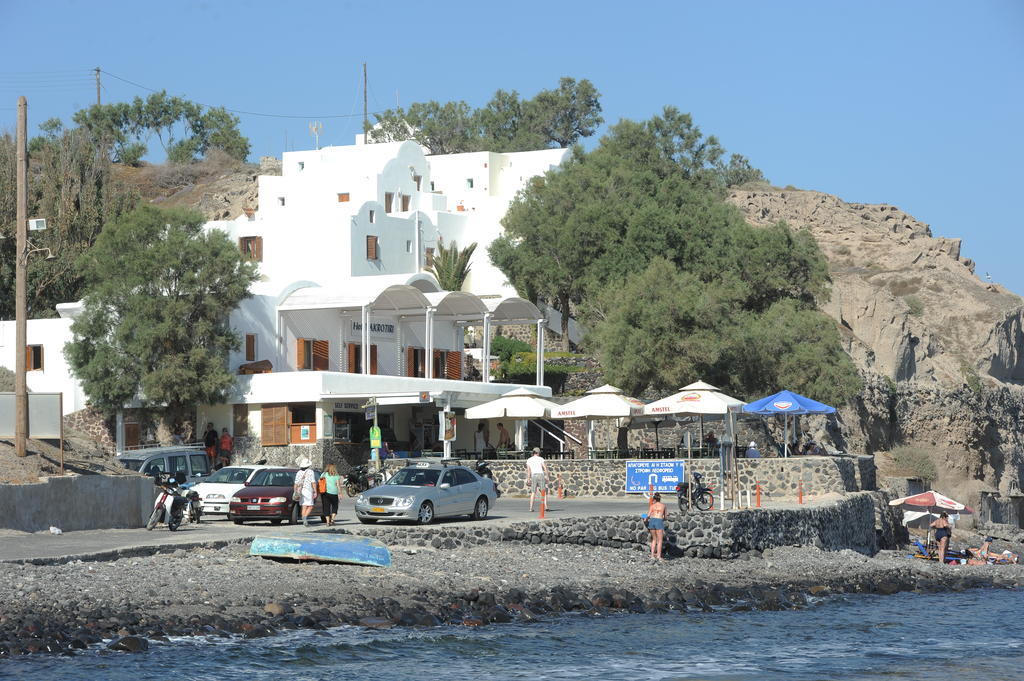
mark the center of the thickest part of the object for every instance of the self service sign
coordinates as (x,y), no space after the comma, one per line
(657,476)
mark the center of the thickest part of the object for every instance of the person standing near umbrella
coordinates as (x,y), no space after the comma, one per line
(942,534)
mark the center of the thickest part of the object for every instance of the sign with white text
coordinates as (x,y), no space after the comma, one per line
(653,476)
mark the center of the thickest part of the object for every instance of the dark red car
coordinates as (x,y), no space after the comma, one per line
(268,496)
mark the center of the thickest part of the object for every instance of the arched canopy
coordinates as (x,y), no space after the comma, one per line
(457,305)
(512,310)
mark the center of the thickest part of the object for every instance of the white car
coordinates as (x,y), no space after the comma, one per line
(215,492)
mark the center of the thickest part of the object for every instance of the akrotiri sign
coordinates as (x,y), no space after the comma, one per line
(45,412)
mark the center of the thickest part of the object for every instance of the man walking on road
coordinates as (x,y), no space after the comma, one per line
(537,471)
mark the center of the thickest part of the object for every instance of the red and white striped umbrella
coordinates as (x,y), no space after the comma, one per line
(931,501)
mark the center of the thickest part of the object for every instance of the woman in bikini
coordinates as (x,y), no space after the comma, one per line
(656,524)
(942,534)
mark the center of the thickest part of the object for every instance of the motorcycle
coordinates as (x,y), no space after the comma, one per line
(699,493)
(172,508)
(484,471)
(360,479)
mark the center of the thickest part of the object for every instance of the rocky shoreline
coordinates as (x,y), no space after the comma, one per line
(125,603)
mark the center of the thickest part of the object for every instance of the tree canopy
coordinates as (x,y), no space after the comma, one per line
(185,130)
(155,319)
(672,283)
(553,118)
(451,265)
(70,184)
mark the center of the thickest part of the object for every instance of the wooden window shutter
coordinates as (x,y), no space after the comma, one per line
(373,359)
(250,347)
(40,367)
(300,356)
(410,362)
(371,248)
(28,358)
(405,202)
(428,258)
(258,248)
(321,355)
(274,425)
(438,364)
(453,365)
(343,197)
(389,199)
(353,350)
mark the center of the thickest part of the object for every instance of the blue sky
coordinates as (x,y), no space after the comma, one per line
(917,104)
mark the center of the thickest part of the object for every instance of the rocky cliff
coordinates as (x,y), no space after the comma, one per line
(943,351)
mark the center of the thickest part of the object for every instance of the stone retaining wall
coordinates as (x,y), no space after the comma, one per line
(78,502)
(778,477)
(847,524)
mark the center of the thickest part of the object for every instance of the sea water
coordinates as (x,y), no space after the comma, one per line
(965,635)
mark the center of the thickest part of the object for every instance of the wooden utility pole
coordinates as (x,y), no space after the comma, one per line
(366,115)
(97,69)
(20,304)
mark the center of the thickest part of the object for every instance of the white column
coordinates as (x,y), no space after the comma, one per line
(485,355)
(398,347)
(119,432)
(418,245)
(540,351)
(365,349)
(521,434)
(429,330)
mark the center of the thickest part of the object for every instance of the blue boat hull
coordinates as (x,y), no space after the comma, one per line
(334,549)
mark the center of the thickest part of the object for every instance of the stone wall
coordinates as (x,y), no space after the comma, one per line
(847,524)
(778,477)
(92,423)
(249,449)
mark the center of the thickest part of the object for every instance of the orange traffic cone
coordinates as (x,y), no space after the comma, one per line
(543,503)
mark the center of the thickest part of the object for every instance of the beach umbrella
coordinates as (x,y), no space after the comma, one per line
(696,398)
(518,404)
(606,402)
(919,510)
(515,404)
(787,403)
(931,502)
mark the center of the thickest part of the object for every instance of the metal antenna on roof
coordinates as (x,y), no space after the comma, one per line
(314,129)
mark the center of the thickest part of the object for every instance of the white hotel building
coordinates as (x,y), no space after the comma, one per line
(344,309)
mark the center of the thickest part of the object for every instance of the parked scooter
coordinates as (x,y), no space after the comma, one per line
(698,492)
(360,479)
(484,471)
(172,508)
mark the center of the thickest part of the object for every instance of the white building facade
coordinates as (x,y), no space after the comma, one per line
(344,309)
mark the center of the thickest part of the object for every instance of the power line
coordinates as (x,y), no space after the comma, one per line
(238,111)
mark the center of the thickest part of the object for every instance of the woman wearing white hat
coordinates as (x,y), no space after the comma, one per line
(305,488)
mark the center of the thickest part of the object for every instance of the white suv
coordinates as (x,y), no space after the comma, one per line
(215,492)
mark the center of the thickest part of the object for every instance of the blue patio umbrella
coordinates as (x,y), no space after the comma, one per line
(787,403)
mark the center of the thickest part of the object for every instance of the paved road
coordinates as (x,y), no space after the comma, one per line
(18,546)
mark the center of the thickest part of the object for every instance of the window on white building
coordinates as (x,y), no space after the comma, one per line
(408,245)
(418,179)
(389,200)
(251,247)
(373,216)
(250,347)
(302,165)
(343,197)
(372,252)
(34,358)
(280,200)
(469,183)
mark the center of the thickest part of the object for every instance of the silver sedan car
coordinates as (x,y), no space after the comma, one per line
(426,490)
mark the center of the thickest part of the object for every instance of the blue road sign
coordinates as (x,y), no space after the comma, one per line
(664,475)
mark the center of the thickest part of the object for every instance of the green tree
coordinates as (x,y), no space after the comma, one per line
(553,118)
(155,319)
(562,116)
(70,184)
(637,237)
(451,265)
(183,128)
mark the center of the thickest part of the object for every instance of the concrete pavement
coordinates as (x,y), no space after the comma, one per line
(111,544)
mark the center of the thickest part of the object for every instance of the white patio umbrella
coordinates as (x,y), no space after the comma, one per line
(698,398)
(519,404)
(606,402)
